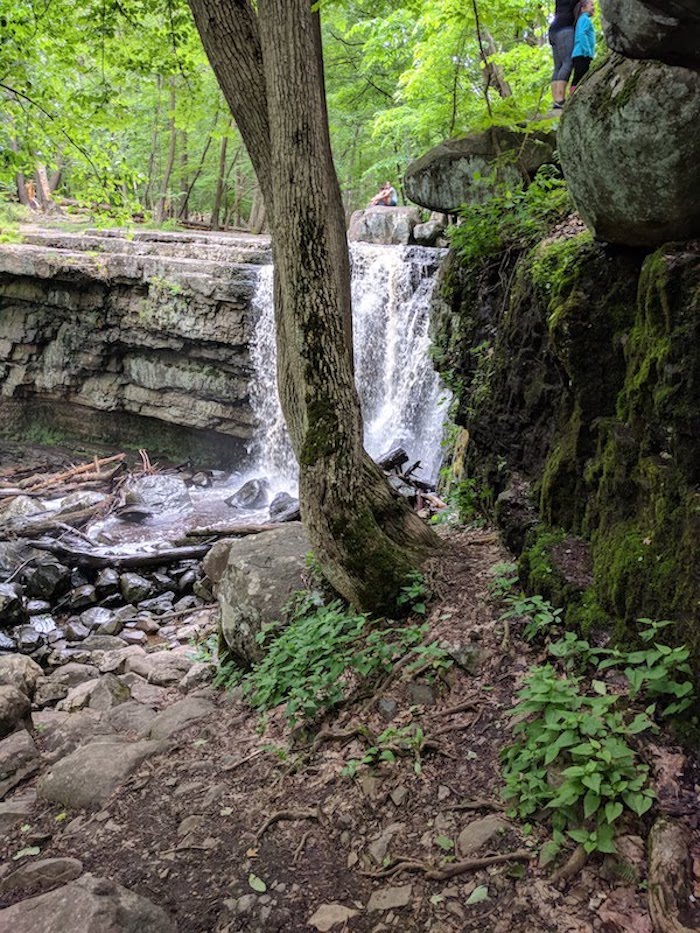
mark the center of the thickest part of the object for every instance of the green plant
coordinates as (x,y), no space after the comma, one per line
(391,744)
(572,758)
(414,594)
(540,614)
(205,650)
(505,577)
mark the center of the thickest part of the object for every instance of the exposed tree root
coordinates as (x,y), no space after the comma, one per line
(478,804)
(571,867)
(299,851)
(286,815)
(668,876)
(443,873)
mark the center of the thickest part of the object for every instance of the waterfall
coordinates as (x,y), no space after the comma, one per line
(403,402)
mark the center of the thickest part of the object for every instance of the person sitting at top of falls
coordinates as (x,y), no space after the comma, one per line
(584,41)
(385,197)
(561,38)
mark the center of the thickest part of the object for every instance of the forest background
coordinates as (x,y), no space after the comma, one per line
(115,100)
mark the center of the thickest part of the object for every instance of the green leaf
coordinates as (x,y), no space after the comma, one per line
(605,839)
(479,894)
(591,802)
(613,810)
(548,853)
(28,850)
(599,687)
(579,835)
(257,884)
(445,843)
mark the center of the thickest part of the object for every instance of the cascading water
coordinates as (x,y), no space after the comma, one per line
(403,402)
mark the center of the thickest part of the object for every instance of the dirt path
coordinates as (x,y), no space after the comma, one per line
(188,829)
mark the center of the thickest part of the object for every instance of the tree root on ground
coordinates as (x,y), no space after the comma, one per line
(443,873)
(286,815)
(668,876)
(571,867)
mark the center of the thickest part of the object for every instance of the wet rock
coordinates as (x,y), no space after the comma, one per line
(13,608)
(162,580)
(15,709)
(42,875)
(20,507)
(38,607)
(87,905)
(401,487)
(48,581)
(107,582)
(179,716)
(478,833)
(160,493)
(16,810)
(390,898)
(43,624)
(20,672)
(159,604)
(187,579)
(516,512)
(111,627)
(384,225)
(284,508)
(28,639)
(77,577)
(135,588)
(252,495)
(7,643)
(19,759)
(82,596)
(87,777)
(261,574)
(131,717)
(81,499)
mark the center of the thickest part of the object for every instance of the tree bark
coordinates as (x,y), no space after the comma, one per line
(366,539)
(148,192)
(44,189)
(164,193)
(184,182)
(219,193)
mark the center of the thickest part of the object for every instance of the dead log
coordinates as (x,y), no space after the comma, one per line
(396,457)
(234,531)
(36,483)
(44,524)
(668,877)
(81,558)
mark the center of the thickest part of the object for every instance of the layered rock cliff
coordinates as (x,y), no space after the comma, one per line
(139,340)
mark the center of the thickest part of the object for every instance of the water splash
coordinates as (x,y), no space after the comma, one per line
(403,402)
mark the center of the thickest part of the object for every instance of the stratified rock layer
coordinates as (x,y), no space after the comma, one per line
(141,340)
(630,147)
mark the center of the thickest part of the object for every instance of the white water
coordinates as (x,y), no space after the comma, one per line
(403,402)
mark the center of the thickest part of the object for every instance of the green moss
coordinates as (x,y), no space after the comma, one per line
(556,266)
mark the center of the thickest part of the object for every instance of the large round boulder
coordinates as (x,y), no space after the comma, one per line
(466,170)
(386,226)
(261,574)
(629,147)
(667,30)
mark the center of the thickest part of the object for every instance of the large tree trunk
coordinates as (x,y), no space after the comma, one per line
(366,539)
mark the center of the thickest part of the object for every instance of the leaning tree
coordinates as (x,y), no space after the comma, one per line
(269,64)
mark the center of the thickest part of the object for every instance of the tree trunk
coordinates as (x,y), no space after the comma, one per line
(218,194)
(184,182)
(44,189)
(164,193)
(148,192)
(366,539)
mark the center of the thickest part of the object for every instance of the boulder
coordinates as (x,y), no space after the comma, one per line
(131,717)
(252,495)
(13,609)
(162,668)
(159,493)
(428,233)
(76,729)
(135,588)
(42,875)
(16,810)
(89,775)
(18,759)
(261,574)
(179,716)
(465,170)
(87,905)
(386,226)
(20,672)
(15,709)
(667,30)
(49,580)
(284,508)
(628,140)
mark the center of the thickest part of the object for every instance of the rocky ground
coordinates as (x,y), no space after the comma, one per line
(137,795)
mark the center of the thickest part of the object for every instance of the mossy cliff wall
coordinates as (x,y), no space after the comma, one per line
(577,374)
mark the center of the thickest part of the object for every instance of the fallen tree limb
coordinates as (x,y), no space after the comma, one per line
(35,483)
(571,867)
(81,558)
(44,524)
(231,531)
(443,873)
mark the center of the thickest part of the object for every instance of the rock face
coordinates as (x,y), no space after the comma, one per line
(261,574)
(629,145)
(143,339)
(88,905)
(460,171)
(387,226)
(667,30)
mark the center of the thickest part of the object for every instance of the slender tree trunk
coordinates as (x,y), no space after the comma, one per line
(218,194)
(494,73)
(365,537)
(184,182)
(148,192)
(44,189)
(163,201)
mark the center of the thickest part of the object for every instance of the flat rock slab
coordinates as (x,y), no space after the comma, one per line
(42,875)
(179,716)
(18,759)
(478,833)
(88,905)
(86,778)
(16,810)
(390,898)
(131,717)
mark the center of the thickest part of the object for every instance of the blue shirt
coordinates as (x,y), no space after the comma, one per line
(584,39)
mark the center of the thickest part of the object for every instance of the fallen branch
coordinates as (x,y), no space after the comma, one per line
(121,561)
(300,848)
(571,867)
(280,815)
(44,525)
(478,804)
(436,873)
(466,706)
(34,484)
(230,531)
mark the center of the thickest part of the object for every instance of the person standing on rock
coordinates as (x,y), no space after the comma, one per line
(584,42)
(561,38)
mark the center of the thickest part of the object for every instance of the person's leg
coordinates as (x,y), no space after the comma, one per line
(563,44)
(581,65)
(556,83)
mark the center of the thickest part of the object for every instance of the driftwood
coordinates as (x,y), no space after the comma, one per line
(36,483)
(45,524)
(395,458)
(81,558)
(234,531)
(668,876)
